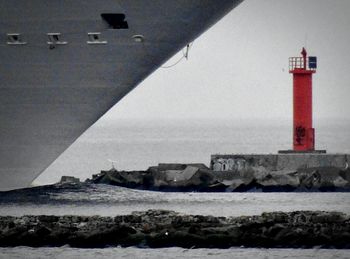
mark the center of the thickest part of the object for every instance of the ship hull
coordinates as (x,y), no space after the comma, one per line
(49,95)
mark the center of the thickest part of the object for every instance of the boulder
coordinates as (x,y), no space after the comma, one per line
(69,180)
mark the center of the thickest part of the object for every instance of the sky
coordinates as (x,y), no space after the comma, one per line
(238,69)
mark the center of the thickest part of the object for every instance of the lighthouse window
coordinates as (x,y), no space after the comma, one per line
(15,39)
(115,20)
(95,38)
(312,62)
(55,39)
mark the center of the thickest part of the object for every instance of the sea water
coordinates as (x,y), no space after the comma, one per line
(139,144)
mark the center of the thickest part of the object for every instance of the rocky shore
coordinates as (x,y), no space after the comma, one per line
(156,228)
(198,177)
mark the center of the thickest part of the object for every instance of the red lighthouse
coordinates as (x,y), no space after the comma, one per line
(302,69)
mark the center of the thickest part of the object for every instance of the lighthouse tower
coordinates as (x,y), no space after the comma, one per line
(302,69)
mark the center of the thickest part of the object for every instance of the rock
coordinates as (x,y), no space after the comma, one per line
(234,184)
(69,180)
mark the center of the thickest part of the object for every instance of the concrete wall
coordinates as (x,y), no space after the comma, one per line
(273,162)
(295,161)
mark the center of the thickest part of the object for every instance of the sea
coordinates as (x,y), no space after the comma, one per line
(137,144)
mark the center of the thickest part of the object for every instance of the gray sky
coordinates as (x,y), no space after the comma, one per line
(239,68)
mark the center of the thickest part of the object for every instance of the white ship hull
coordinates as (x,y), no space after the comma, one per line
(49,95)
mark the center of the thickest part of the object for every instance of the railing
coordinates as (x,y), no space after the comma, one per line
(298,63)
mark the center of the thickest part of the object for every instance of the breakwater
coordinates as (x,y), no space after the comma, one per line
(251,177)
(158,228)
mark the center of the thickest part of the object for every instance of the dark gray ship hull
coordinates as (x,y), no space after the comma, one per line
(49,95)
